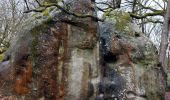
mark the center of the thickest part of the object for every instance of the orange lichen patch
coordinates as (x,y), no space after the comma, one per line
(20,87)
(124,59)
(116,48)
(122,51)
(50,62)
(7,97)
(50,89)
(125,55)
(21,82)
(61,92)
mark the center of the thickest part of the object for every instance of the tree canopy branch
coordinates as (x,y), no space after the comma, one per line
(65,11)
(156,13)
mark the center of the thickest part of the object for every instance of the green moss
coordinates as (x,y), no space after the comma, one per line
(34,50)
(1,57)
(3,49)
(121,18)
(49,20)
(35,42)
(145,62)
(107,13)
(45,3)
(168,81)
(48,2)
(47,11)
(33,15)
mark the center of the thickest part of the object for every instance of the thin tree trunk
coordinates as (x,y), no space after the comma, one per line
(164,37)
(134,6)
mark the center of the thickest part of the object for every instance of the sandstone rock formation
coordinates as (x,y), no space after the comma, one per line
(61,57)
(133,60)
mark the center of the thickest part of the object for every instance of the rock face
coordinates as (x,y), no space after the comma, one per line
(53,57)
(129,62)
(61,57)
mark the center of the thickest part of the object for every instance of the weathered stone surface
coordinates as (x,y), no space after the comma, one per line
(53,60)
(60,57)
(135,61)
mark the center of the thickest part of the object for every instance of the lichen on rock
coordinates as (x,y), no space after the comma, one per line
(55,60)
(135,60)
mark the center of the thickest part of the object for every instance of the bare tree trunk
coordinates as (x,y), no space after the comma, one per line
(134,6)
(164,37)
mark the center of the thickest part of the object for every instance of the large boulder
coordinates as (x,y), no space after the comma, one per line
(57,56)
(53,57)
(134,58)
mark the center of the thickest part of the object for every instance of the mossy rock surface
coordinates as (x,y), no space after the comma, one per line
(135,57)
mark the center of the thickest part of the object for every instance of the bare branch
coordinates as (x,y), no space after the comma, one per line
(38,2)
(158,13)
(26,4)
(65,11)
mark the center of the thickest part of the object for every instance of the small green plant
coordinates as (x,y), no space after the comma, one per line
(121,18)
(1,57)
(47,11)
